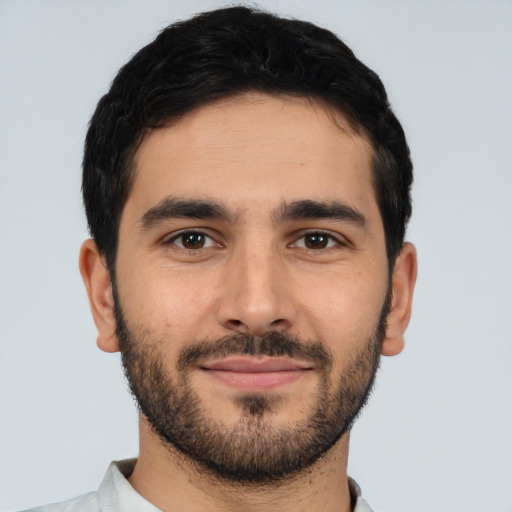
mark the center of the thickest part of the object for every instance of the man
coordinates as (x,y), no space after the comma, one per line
(247,187)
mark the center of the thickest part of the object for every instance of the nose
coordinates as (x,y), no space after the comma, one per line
(256,297)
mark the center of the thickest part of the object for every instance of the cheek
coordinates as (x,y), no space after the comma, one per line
(166,302)
(345,307)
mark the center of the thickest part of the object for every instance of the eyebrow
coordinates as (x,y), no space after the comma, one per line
(308,209)
(173,208)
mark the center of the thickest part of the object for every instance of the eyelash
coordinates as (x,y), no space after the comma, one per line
(172,241)
(333,242)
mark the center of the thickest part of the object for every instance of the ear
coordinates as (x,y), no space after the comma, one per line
(403,280)
(99,290)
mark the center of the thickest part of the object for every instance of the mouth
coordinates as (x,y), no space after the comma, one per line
(256,373)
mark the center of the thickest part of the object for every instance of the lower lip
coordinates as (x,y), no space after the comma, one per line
(256,381)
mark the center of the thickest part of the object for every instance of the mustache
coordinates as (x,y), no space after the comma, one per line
(272,344)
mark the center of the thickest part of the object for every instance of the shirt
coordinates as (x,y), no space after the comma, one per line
(115,494)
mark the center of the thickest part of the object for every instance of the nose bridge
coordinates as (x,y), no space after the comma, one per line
(255,297)
(258,269)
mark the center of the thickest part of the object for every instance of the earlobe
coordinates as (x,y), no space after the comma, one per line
(99,291)
(403,281)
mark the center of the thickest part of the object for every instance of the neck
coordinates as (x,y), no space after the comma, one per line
(173,483)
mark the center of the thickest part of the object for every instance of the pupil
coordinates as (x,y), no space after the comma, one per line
(316,241)
(193,240)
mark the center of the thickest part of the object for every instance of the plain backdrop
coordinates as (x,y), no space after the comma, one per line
(436,435)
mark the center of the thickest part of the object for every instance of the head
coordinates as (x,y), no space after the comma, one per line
(247,189)
(221,54)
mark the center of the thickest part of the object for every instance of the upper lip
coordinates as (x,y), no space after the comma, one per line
(254,364)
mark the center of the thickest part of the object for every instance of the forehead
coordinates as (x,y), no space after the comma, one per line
(254,150)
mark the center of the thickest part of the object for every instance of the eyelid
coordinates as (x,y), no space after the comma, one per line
(169,239)
(340,240)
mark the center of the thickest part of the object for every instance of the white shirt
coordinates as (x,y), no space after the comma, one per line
(115,494)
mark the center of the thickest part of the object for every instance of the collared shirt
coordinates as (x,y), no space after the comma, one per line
(115,494)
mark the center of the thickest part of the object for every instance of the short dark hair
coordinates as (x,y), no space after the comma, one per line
(226,52)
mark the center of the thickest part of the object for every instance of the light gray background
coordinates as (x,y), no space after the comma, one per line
(437,433)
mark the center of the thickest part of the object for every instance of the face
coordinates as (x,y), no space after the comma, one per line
(252,283)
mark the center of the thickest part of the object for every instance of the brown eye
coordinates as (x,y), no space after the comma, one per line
(192,240)
(316,241)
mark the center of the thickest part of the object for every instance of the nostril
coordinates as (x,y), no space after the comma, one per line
(237,325)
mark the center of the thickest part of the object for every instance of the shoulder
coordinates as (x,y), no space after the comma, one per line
(85,503)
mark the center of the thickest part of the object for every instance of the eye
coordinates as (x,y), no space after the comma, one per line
(192,240)
(316,240)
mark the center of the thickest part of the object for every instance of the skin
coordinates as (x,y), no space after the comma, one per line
(251,154)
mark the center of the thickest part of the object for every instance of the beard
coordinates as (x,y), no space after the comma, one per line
(252,450)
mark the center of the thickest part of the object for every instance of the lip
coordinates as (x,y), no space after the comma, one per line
(256,373)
